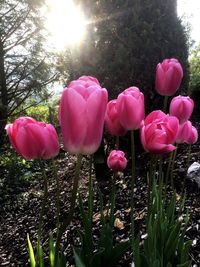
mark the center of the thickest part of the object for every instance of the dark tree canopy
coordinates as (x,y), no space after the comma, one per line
(24,63)
(127,39)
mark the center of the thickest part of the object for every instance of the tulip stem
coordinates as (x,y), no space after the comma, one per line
(132,185)
(165,103)
(151,180)
(168,171)
(55,173)
(43,202)
(187,166)
(112,205)
(69,216)
(151,173)
(117,142)
(160,167)
(172,166)
(90,190)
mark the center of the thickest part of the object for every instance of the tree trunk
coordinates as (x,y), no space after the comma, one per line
(3,95)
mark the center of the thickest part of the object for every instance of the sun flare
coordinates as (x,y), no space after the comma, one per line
(66,23)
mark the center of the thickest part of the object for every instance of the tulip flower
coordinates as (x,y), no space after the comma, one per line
(130,107)
(158,132)
(169,75)
(89,79)
(81,116)
(193,136)
(184,132)
(187,133)
(181,107)
(32,139)
(116,160)
(86,81)
(112,122)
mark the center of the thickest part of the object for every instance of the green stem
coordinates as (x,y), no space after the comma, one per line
(151,180)
(69,216)
(90,190)
(187,166)
(55,173)
(117,142)
(172,166)
(43,202)
(132,185)
(168,168)
(160,166)
(165,104)
(151,174)
(112,205)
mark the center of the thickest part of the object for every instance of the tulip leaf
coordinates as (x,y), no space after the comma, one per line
(31,253)
(40,256)
(77,257)
(51,250)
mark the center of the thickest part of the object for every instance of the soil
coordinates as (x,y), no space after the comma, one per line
(20,202)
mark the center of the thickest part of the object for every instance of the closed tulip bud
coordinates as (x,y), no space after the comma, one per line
(193,136)
(81,116)
(130,107)
(184,132)
(116,160)
(158,132)
(32,139)
(89,79)
(112,122)
(85,81)
(181,107)
(169,75)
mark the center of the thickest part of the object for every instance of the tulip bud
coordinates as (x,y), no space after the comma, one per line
(130,107)
(184,132)
(81,115)
(112,122)
(169,75)
(32,139)
(187,133)
(193,136)
(116,160)
(181,107)
(158,132)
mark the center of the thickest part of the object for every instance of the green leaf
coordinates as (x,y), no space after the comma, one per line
(51,250)
(87,224)
(136,252)
(40,256)
(117,252)
(172,242)
(77,257)
(186,264)
(31,253)
(97,258)
(61,260)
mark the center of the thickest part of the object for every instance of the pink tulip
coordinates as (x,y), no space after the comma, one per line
(112,122)
(181,107)
(89,79)
(158,132)
(130,107)
(169,75)
(184,132)
(187,133)
(81,116)
(85,81)
(116,160)
(193,136)
(32,139)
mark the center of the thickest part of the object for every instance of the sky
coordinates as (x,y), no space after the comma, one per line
(191,10)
